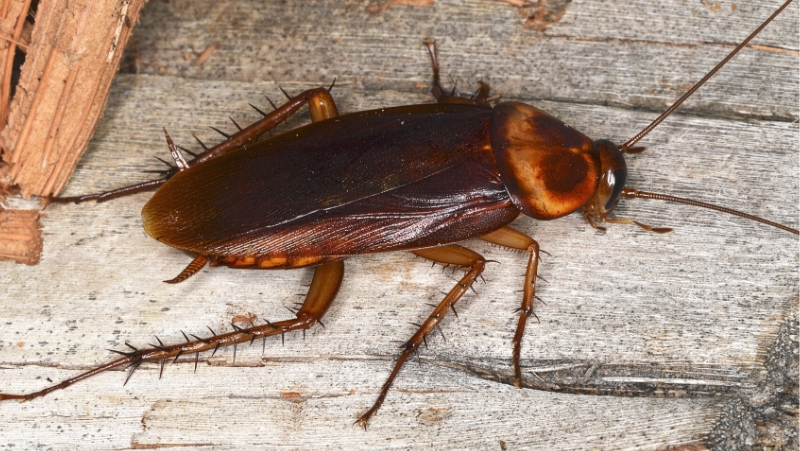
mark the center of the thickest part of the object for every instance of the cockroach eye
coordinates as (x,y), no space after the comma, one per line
(613,174)
(616,179)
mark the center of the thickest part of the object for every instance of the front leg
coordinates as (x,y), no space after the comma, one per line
(514,239)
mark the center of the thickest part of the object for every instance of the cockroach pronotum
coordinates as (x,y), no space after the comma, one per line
(418,178)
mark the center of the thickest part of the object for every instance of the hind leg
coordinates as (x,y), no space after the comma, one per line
(320,104)
(324,286)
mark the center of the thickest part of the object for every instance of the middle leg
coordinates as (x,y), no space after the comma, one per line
(447,255)
(514,239)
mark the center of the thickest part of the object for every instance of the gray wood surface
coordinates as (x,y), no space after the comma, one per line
(695,330)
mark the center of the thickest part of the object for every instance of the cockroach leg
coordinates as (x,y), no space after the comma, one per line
(324,286)
(166,163)
(479,98)
(594,225)
(224,135)
(451,255)
(183,149)
(320,103)
(321,106)
(646,227)
(263,114)
(514,239)
(653,229)
(238,127)
(201,142)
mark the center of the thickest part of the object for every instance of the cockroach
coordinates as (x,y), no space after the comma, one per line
(416,178)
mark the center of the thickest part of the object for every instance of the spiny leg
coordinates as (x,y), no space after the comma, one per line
(321,106)
(324,286)
(479,98)
(514,239)
(588,217)
(447,255)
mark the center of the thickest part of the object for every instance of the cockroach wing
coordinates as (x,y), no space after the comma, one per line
(461,202)
(317,169)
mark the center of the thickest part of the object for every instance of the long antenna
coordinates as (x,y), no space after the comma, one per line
(629,193)
(700,83)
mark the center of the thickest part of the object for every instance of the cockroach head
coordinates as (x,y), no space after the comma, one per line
(613,175)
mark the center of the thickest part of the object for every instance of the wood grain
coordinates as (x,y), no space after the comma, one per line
(60,85)
(73,54)
(695,332)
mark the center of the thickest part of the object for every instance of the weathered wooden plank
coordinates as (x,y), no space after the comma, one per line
(692,314)
(308,405)
(636,54)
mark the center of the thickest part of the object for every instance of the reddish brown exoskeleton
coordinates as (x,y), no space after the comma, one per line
(416,178)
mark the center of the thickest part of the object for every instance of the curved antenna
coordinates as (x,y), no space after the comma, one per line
(630,193)
(700,83)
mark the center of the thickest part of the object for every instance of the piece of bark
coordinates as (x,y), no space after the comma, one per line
(12,22)
(72,57)
(20,237)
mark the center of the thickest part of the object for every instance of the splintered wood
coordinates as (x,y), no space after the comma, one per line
(72,51)
(20,238)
